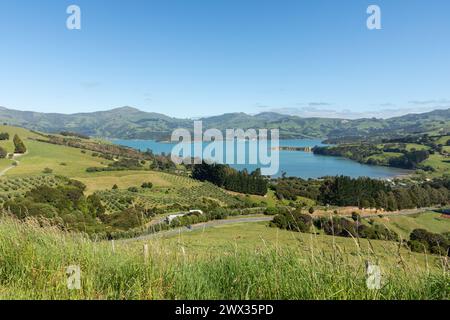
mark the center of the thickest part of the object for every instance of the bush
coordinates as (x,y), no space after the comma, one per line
(133,189)
(418,246)
(432,242)
(356,216)
(124,220)
(342,227)
(271,211)
(295,221)
(4,136)
(147,185)
(3,153)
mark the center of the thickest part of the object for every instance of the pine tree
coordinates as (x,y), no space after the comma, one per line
(19,146)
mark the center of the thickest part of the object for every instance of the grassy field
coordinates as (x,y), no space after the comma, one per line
(126,179)
(62,160)
(403,225)
(34,260)
(258,236)
(24,134)
(439,162)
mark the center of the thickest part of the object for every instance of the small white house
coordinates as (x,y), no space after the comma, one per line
(171,217)
(200,212)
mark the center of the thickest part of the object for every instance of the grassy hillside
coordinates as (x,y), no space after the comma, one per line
(61,159)
(34,261)
(403,225)
(258,235)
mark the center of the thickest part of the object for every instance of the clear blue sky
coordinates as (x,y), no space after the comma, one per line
(204,57)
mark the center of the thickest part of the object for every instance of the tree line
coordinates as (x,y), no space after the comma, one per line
(371,193)
(364,153)
(231,179)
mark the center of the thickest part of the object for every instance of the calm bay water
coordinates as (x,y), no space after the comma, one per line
(294,163)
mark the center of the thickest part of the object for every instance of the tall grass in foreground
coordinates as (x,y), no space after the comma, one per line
(33,262)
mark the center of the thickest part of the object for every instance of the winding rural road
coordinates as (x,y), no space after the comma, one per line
(200,226)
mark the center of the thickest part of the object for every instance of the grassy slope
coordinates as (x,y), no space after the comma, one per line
(43,155)
(256,236)
(440,163)
(34,260)
(403,225)
(126,179)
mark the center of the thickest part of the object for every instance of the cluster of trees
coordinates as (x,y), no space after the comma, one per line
(65,206)
(19,146)
(226,177)
(291,188)
(4,136)
(357,152)
(162,163)
(147,185)
(127,219)
(409,159)
(371,193)
(364,153)
(342,227)
(336,226)
(421,240)
(293,221)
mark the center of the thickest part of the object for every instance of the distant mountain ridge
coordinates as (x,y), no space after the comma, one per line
(131,123)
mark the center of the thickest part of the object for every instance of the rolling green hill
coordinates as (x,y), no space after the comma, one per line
(131,123)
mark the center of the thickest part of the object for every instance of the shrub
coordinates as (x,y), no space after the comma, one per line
(271,211)
(3,153)
(295,221)
(356,216)
(345,228)
(147,185)
(433,242)
(133,189)
(4,136)
(124,220)
(418,246)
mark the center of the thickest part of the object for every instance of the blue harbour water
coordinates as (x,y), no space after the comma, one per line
(294,163)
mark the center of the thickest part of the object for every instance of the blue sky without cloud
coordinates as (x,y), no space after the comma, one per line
(189,58)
